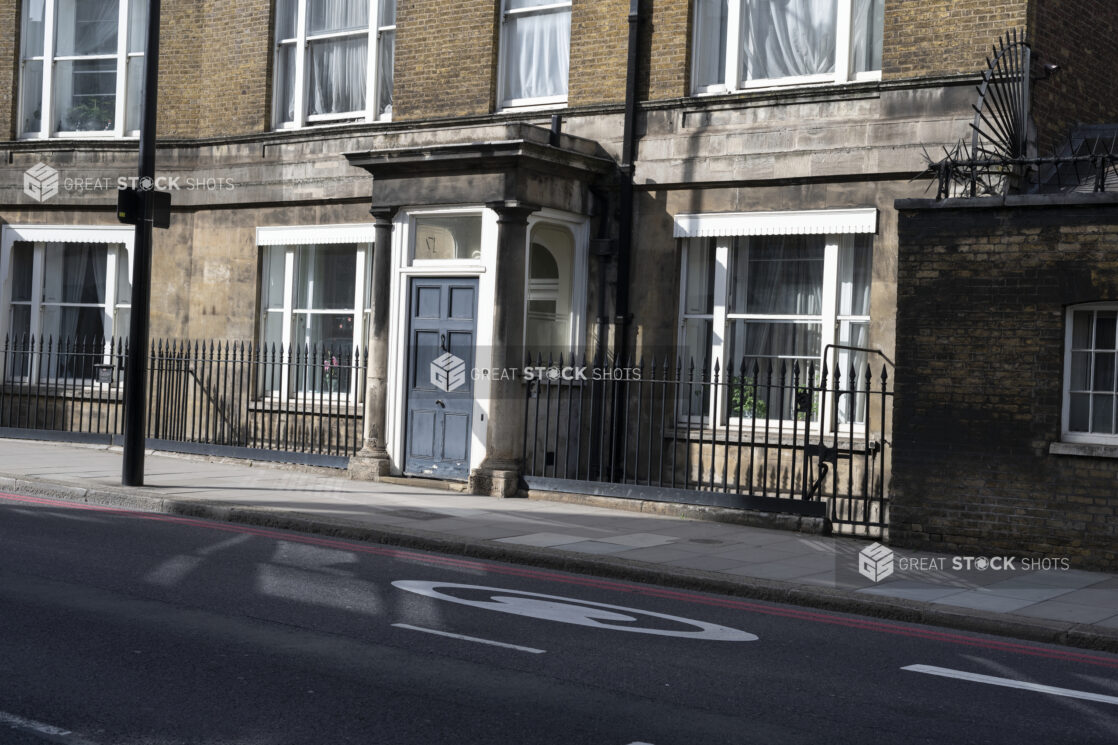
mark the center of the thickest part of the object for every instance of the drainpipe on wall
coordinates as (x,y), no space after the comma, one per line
(622,317)
(625,218)
(603,249)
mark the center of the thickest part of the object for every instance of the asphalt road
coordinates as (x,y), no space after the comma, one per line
(125,628)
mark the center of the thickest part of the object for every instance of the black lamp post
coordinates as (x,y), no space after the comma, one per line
(134,371)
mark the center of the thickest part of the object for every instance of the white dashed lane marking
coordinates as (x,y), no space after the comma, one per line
(1010,683)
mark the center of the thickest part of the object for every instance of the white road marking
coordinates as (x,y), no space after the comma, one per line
(47,731)
(469,638)
(1010,683)
(574,611)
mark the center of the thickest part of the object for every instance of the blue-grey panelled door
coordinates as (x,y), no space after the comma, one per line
(441,330)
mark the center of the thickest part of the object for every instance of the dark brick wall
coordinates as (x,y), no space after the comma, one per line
(982,295)
(1081,36)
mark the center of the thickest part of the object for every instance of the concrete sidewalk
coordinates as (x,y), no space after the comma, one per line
(1064,606)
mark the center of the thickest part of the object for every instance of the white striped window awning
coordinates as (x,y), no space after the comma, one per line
(799,222)
(71,234)
(306,235)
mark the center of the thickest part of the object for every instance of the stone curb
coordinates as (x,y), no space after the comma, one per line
(1083,636)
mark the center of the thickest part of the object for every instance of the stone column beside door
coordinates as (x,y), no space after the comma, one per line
(499,473)
(372,462)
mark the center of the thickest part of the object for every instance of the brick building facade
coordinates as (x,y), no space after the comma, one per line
(741,155)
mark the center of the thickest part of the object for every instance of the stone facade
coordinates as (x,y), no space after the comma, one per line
(818,146)
(978,463)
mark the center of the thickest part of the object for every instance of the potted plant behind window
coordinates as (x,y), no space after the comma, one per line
(93,114)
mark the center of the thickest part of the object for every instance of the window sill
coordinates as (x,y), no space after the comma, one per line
(779,84)
(1083,449)
(57,136)
(330,124)
(517,108)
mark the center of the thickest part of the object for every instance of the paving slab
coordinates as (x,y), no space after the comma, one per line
(987,601)
(1077,612)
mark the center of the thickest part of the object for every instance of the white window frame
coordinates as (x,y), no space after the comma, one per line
(302,42)
(838,227)
(540,102)
(844,40)
(1066,435)
(46,106)
(579,228)
(120,242)
(292,238)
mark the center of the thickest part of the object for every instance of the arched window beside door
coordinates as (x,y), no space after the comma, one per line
(550,320)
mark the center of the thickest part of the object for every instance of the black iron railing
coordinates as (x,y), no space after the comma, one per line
(212,396)
(771,435)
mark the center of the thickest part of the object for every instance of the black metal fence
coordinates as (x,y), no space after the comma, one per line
(770,436)
(304,404)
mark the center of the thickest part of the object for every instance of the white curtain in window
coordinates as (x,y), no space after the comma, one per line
(855,268)
(387,50)
(337,67)
(851,408)
(74,275)
(788,38)
(287,15)
(285,74)
(328,16)
(869,20)
(778,275)
(710,42)
(775,276)
(538,52)
(337,75)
